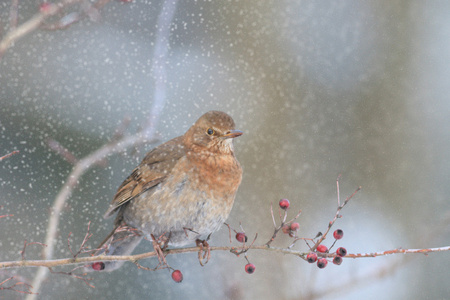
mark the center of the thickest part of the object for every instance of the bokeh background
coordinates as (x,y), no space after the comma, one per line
(319,88)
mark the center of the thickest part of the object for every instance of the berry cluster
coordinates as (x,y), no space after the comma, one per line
(292,228)
(322,262)
(319,254)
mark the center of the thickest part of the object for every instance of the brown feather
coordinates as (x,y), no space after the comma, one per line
(151,171)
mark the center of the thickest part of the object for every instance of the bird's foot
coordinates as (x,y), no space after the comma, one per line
(202,252)
(159,245)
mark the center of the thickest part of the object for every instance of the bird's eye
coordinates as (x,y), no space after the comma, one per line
(210,131)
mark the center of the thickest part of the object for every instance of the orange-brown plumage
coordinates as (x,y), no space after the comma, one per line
(183,189)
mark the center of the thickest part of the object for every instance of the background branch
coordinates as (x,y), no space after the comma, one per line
(145,135)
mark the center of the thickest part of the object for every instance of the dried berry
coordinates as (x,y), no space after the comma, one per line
(337,260)
(341,251)
(338,234)
(311,257)
(286,229)
(295,226)
(250,268)
(322,262)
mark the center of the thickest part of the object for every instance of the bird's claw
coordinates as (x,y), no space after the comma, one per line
(202,244)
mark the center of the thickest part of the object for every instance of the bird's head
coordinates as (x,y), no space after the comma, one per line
(213,132)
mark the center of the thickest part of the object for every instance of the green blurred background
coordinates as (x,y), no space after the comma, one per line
(319,88)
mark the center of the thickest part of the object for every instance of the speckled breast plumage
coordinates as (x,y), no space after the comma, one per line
(190,204)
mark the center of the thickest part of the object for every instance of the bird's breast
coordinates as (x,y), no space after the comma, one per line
(217,175)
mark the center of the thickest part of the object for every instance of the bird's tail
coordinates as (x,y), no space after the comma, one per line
(121,241)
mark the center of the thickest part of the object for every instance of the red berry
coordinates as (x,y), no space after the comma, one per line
(44,7)
(98,266)
(286,229)
(322,263)
(337,260)
(322,248)
(284,203)
(250,268)
(295,226)
(241,237)
(311,257)
(177,276)
(338,234)
(341,251)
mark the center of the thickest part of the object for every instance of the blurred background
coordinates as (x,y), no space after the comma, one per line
(322,88)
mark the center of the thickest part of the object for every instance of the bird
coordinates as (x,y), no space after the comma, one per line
(181,192)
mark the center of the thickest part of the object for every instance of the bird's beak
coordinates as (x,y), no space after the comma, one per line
(232,134)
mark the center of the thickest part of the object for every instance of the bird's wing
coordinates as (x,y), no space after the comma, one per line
(153,169)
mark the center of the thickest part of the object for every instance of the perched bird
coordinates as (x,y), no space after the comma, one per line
(181,192)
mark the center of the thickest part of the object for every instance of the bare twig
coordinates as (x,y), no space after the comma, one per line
(336,216)
(76,276)
(160,266)
(82,248)
(8,155)
(229,231)
(26,287)
(337,188)
(13,14)
(62,151)
(25,245)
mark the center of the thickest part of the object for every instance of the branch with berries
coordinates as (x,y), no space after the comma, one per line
(318,253)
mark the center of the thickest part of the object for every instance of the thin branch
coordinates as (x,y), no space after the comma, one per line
(25,245)
(62,151)
(159,62)
(82,248)
(26,287)
(336,216)
(13,14)
(8,155)
(76,276)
